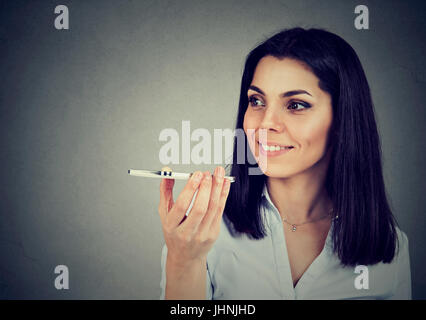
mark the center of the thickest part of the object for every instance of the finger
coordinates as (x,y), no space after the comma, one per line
(166,195)
(178,211)
(222,202)
(218,179)
(200,206)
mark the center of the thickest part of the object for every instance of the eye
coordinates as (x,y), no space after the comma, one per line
(254,102)
(298,106)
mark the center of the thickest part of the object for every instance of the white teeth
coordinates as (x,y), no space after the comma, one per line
(272,148)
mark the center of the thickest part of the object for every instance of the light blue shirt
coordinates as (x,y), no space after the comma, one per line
(242,268)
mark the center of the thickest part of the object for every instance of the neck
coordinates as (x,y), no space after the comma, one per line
(301,197)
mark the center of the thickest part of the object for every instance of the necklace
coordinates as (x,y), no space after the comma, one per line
(294,226)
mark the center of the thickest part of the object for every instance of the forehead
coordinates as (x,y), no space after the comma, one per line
(273,74)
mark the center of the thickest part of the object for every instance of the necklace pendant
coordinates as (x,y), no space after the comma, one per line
(293,227)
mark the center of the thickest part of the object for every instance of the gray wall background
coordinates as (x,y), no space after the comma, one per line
(80,107)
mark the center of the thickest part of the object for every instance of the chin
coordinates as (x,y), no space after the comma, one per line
(278,172)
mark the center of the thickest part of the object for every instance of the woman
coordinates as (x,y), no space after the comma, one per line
(316,223)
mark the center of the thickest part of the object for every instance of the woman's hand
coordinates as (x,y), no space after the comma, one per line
(189,238)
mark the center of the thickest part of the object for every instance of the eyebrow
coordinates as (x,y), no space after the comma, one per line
(285,94)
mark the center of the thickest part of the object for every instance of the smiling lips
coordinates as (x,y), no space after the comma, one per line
(273,149)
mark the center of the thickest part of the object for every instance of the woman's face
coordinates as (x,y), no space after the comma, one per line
(284,99)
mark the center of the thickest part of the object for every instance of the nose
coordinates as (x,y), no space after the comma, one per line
(272,120)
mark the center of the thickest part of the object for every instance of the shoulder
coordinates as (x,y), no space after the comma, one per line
(400,265)
(402,249)
(402,279)
(401,252)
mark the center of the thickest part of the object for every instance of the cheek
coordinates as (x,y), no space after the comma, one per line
(314,136)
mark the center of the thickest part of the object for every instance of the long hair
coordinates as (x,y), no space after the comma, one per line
(365,232)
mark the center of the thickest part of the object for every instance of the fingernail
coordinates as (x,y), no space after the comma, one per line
(197,176)
(207,175)
(216,172)
(220,172)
